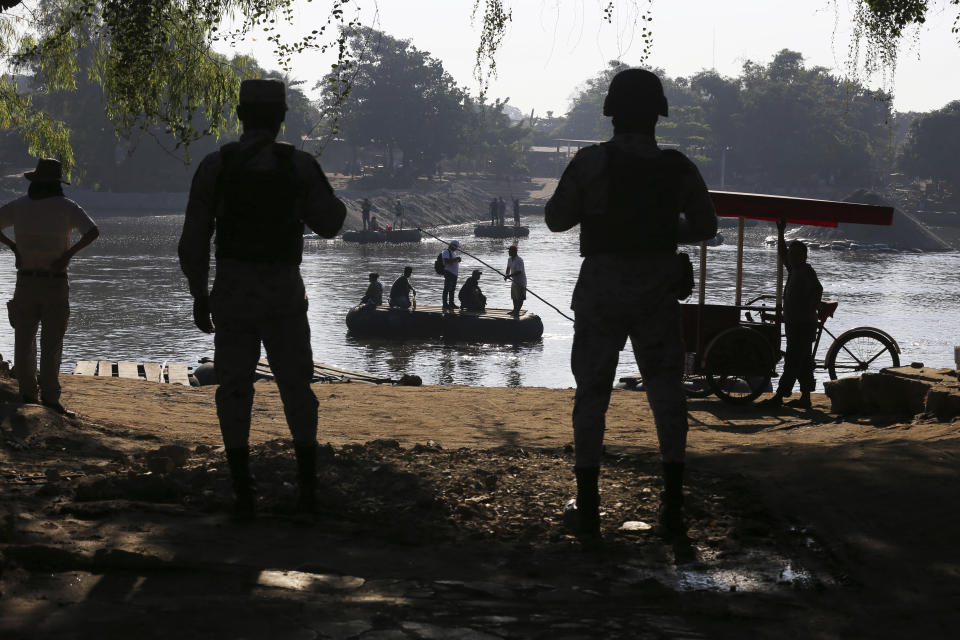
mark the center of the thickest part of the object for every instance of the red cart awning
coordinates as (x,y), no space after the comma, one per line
(820,213)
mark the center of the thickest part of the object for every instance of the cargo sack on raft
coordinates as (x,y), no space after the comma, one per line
(438,264)
(685,282)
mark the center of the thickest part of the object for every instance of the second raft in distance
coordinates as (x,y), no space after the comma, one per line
(500,231)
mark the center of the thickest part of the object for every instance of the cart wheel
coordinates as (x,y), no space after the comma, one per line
(738,363)
(696,386)
(861,349)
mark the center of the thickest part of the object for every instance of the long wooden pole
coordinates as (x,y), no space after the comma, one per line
(497,271)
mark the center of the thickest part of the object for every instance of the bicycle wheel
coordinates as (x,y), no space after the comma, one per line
(861,349)
(738,364)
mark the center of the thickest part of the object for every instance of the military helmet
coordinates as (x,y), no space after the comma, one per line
(263,92)
(635,91)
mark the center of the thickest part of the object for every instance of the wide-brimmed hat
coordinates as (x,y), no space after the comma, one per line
(48,170)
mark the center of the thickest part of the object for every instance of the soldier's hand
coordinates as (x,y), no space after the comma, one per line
(201,314)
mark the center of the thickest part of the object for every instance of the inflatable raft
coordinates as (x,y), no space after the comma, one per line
(505,231)
(492,325)
(402,235)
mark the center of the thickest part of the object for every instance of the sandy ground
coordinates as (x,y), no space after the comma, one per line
(441,519)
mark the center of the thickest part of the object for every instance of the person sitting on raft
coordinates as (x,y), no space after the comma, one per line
(375,224)
(401,289)
(374,294)
(471,298)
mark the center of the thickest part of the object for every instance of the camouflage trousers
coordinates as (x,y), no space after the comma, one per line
(636,302)
(253,305)
(286,340)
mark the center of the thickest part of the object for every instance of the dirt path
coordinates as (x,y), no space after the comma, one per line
(441,519)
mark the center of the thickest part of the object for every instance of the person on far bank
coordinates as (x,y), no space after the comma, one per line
(451,271)
(43,222)
(493,212)
(801,297)
(471,297)
(374,292)
(517,275)
(501,211)
(627,195)
(401,290)
(254,196)
(516,211)
(365,207)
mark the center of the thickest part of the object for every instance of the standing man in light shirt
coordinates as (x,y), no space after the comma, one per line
(43,222)
(451,266)
(517,275)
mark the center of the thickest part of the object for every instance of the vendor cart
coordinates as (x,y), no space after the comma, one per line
(733,350)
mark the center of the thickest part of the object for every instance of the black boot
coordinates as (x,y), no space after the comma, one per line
(239,460)
(306,477)
(583,517)
(671,502)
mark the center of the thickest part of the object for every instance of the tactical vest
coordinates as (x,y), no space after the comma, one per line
(642,215)
(256,214)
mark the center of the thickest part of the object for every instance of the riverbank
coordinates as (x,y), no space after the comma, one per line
(451,199)
(441,519)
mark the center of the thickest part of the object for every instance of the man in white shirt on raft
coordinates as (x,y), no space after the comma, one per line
(517,274)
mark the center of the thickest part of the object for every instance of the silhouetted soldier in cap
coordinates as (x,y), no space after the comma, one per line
(255,195)
(43,222)
(627,195)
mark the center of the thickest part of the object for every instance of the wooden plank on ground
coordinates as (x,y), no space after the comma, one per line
(86,368)
(128,370)
(104,368)
(153,371)
(177,374)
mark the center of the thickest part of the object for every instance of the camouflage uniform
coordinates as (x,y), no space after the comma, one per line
(620,295)
(254,302)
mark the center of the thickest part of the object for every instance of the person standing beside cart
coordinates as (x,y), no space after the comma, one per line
(801,296)
(627,195)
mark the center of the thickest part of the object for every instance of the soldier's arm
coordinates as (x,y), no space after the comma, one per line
(565,207)
(322,210)
(701,219)
(198,225)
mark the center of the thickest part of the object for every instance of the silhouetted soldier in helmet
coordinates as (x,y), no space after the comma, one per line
(627,195)
(256,195)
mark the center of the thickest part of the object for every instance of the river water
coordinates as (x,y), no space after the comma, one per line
(129,301)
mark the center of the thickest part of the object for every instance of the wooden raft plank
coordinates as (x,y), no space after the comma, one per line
(153,371)
(128,370)
(177,374)
(105,368)
(86,368)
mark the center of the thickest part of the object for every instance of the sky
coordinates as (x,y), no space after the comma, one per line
(552,46)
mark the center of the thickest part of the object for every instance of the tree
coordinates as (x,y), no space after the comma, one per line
(401,99)
(931,146)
